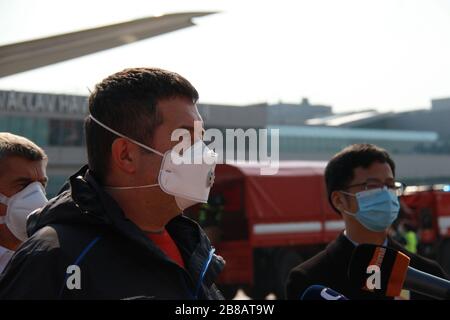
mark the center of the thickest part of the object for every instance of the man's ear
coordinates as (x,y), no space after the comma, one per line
(124,155)
(338,201)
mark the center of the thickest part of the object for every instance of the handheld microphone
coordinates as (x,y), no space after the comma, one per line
(394,273)
(427,284)
(317,292)
(378,269)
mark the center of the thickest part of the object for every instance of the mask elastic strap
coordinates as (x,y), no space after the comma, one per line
(349,213)
(345,211)
(4,199)
(125,137)
(128,188)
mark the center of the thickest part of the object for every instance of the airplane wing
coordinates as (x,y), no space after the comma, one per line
(28,55)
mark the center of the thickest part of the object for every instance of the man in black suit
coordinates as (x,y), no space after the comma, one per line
(361,187)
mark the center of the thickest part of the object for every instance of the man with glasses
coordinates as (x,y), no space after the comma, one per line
(361,187)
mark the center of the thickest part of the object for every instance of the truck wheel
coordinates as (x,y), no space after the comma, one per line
(262,277)
(284,263)
(228,290)
(444,255)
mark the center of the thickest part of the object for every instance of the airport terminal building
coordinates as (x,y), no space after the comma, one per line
(54,122)
(418,140)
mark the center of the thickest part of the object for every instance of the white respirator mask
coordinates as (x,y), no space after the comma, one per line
(20,206)
(188,177)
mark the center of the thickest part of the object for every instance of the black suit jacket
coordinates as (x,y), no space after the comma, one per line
(329,268)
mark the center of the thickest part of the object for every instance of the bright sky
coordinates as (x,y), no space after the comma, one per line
(390,55)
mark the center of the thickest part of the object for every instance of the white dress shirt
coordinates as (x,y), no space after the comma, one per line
(385,244)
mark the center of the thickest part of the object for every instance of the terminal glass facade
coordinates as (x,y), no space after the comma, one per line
(45,132)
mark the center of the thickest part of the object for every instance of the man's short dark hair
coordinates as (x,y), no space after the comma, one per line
(340,170)
(126,102)
(14,145)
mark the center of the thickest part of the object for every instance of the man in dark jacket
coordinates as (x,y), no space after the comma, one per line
(117,230)
(361,187)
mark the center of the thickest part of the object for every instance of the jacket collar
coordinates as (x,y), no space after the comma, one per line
(340,250)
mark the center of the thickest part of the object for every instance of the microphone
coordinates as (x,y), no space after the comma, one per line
(378,269)
(427,284)
(386,271)
(316,292)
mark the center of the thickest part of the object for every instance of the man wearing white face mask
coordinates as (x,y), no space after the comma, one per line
(117,231)
(22,182)
(361,187)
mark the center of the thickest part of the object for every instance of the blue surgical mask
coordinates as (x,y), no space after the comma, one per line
(378,208)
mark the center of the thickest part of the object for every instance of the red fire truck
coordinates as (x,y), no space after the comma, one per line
(427,210)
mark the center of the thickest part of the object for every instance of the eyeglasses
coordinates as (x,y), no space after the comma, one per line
(398,187)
